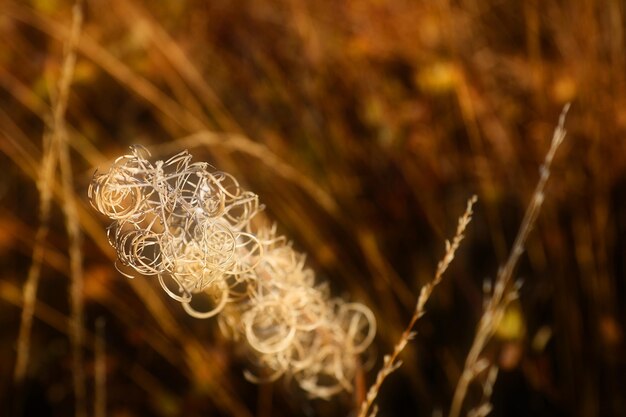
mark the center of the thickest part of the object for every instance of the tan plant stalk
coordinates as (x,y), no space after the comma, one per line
(11,294)
(484,407)
(59,135)
(173,53)
(179,115)
(505,290)
(45,184)
(391,362)
(34,272)
(109,63)
(223,398)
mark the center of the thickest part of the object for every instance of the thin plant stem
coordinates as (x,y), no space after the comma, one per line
(504,290)
(32,281)
(391,362)
(59,135)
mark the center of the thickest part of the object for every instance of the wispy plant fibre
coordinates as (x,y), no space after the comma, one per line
(191,227)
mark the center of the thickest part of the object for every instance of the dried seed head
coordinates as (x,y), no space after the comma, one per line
(191,228)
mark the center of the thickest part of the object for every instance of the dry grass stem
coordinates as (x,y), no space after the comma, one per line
(32,280)
(108,62)
(504,291)
(172,52)
(485,407)
(48,315)
(56,151)
(223,398)
(59,135)
(391,362)
(51,155)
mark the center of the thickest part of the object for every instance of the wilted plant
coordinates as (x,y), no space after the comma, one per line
(191,228)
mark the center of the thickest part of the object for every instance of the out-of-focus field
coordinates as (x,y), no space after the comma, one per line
(363,126)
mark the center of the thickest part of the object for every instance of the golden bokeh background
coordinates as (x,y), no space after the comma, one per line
(363,126)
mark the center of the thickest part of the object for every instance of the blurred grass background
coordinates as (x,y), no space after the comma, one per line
(363,126)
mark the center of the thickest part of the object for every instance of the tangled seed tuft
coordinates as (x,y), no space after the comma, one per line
(191,228)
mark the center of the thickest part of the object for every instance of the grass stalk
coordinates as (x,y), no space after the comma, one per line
(504,291)
(59,136)
(391,362)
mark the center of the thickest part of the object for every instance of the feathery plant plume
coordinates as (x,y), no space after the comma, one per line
(190,227)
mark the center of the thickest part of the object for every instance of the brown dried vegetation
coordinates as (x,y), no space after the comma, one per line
(363,127)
